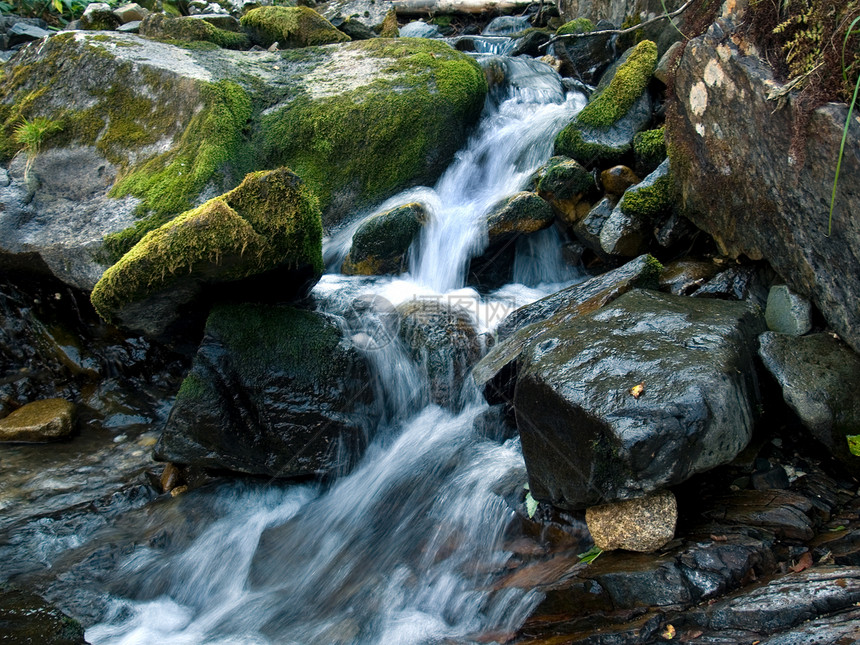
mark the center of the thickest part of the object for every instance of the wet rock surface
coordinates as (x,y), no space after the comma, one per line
(273,391)
(607,410)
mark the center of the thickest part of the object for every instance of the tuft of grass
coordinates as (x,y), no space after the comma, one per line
(31,135)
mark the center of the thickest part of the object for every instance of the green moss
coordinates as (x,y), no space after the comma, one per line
(394,130)
(271,219)
(290,27)
(571,142)
(649,148)
(389,27)
(564,178)
(194,387)
(168,183)
(379,246)
(577,26)
(650,201)
(627,85)
(188,29)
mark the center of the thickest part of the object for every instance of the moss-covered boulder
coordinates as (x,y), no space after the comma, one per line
(290,27)
(188,28)
(381,243)
(150,129)
(271,221)
(522,213)
(273,391)
(602,133)
(562,182)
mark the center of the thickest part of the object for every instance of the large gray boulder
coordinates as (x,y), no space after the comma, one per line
(729,147)
(357,121)
(639,395)
(273,391)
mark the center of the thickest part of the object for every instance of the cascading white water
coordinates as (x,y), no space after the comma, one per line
(405,548)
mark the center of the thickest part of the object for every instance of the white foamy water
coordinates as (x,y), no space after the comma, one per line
(404,549)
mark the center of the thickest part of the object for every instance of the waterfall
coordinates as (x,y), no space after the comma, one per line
(404,548)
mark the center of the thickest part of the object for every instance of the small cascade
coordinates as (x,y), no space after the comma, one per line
(407,546)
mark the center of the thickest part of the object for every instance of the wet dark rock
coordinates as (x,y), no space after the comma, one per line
(785,602)
(773,478)
(586,58)
(27,619)
(820,380)
(783,513)
(721,125)
(675,231)
(683,277)
(587,230)
(39,422)
(441,338)
(531,44)
(496,372)
(23,33)
(522,213)
(253,401)
(744,282)
(589,437)
(99,16)
(381,243)
(356,30)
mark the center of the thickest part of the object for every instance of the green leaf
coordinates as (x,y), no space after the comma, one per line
(531,504)
(853,444)
(591,555)
(58,5)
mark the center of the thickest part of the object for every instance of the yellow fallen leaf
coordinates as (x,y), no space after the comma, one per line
(668,633)
(637,390)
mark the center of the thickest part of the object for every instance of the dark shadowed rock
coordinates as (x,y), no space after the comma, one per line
(719,130)
(820,380)
(639,395)
(380,244)
(273,391)
(26,618)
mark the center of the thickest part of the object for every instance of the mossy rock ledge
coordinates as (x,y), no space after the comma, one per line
(602,134)
(151,129)
(290,27)
(270,223)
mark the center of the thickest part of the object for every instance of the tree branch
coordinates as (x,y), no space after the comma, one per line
(619,32)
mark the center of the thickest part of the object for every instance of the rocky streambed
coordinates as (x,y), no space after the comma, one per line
(586,388)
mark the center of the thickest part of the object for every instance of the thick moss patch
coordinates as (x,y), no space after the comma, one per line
(290,27)
(361,145)
(167,184)
(185,28)
(577,26)
(649,148)
(271,219)
(627,85)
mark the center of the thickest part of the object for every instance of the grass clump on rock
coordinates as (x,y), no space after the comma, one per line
(290,27)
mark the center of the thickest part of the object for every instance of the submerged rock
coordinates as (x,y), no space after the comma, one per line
(271,221)
(820,380)
(443,341)
(637,396)
(290,27)
(381,243)
(39,422)
(273,391)
(602,133)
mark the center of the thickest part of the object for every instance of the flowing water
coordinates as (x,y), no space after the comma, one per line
(405,547)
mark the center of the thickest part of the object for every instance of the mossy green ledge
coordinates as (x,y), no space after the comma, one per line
(271,221)
(290,27)
(602,134)
(151,129)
